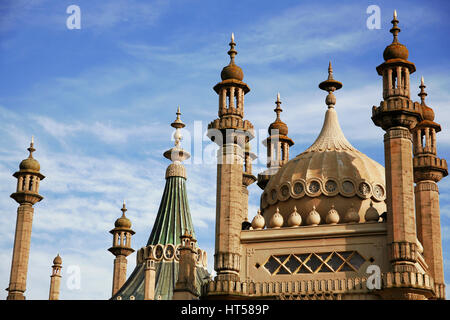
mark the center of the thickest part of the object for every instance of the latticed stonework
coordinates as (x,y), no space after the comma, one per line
(314,262)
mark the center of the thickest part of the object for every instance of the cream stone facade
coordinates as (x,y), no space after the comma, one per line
(332,224)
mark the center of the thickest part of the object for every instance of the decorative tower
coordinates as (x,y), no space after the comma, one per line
(185,288)
(27,194)
(55,278)
(158,263)
(397,115)
(121,248)
(428,170)
(278,144)
(231,132)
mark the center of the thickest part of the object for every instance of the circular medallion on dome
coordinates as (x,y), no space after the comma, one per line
(177,252)
(313,188)
(331,187)
(158,251)
(298,189)
(284,191)
(348,188)
(364,190)
(169,252)
(378,192)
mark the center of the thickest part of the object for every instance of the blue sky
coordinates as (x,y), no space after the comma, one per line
(99,102)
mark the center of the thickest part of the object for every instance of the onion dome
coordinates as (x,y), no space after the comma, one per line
(372,214)
(313,217)
(427,112)
(351,215)
(123,222)
(232,71)
(395,50)
(330,172)
(258,221)
(30,164)
(278,124)
(295,219)
(332,216)
(57,260)
(277,220)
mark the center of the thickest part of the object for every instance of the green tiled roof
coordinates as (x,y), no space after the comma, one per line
(174,217)
(172,220)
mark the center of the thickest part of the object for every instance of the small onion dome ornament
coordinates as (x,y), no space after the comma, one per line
(351,215)
(30,164)
(258,221)
(277,220)
(295,219)
(313,218)
(372,214)
(332,216)
(123,221)
(57,260)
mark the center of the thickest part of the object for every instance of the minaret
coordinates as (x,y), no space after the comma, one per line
(428,170)
(231,132)
(55,278)
(278,144)
(27,194)
(185,286)
(121,248)
(397,115)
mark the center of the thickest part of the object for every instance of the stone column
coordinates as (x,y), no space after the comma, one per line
(21,252)
(120,273)
(228,212)
(400,198)
(150,281)
(429,230)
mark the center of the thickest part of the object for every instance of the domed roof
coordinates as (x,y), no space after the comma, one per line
(427,113)
(330,172)
(395,50)
(232,71)
(123,222)
(57,260)
(280,126)
(30,164)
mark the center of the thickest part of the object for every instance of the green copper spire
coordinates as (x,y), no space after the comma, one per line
(172,221)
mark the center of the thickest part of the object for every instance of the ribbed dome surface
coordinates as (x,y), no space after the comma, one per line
(330,172)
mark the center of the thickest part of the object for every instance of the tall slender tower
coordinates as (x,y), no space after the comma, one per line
(231,132)
(278,144)
(428,170)
(121,249)
(55,278)
(27,194)
(397,115)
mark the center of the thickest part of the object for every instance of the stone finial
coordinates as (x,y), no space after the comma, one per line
(232,52)
(295,219)
(351,215)
(177,154)
(395,29)
(31,149)
(371,214)
(277,220)
(330,85)
(422,94)
(313,218)
(258,221)
(332,216)
(278,109)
